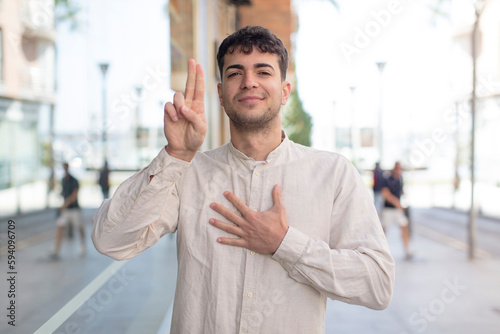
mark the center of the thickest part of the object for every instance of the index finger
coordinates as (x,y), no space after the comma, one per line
(199,92)
(190,82)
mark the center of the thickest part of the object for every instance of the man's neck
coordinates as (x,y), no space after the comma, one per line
(256,145)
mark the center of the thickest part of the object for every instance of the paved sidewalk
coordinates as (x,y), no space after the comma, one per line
(440,291)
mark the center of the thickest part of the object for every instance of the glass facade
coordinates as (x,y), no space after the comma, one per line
(20,156)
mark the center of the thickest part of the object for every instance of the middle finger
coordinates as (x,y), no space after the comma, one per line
(190,82)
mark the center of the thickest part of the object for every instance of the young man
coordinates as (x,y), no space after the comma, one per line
(69,212)
(266,229)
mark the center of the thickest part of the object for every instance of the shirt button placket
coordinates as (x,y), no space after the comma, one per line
(249,300)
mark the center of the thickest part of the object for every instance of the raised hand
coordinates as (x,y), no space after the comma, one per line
(258,231)
(184,121)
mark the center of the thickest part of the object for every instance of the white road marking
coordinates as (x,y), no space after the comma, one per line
(450,241)
(67,310)
(167,321)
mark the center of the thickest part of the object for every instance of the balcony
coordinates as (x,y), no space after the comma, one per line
(37,17)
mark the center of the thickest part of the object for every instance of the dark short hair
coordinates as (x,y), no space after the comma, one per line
(247,38)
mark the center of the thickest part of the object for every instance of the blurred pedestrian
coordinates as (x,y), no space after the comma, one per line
(378,182)
(69,212)
(393,212)
(104,180)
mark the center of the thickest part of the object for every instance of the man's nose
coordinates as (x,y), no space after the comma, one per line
(249,81)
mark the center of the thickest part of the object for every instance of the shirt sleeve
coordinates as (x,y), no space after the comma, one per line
(141,210)
(355,265)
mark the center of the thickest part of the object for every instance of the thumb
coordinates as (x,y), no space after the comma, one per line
(277,199)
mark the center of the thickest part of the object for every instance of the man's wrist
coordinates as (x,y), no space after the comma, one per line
(180,154)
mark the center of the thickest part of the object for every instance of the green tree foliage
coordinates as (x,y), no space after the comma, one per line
(67,11)
(296,122)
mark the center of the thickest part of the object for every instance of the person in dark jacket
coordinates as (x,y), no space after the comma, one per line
(69,212)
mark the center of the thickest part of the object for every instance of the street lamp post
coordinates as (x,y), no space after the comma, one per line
(354,129)
(335,132)
(104,68)
(478,8)
(380,66)
(138,90)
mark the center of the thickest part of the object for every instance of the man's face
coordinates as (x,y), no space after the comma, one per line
(397,171)
(251,91)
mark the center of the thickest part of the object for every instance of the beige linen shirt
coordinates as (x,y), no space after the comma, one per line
(335,246)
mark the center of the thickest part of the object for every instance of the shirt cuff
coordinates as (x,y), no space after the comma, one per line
(175,166)
(291,248)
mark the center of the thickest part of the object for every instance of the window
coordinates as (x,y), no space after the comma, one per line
(1,51)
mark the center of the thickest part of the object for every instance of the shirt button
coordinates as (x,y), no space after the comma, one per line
(252,253)
(257,173)
(250,295)
(281,261)
(134,197)
(162,164)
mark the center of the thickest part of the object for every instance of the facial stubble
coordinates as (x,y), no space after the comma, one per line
(245,123)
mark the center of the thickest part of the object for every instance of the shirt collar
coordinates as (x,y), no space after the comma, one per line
(240,159)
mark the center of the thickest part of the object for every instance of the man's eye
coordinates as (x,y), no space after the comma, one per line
(264,73)
(232,74)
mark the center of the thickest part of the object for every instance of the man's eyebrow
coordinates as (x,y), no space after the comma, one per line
(236,66)
(259,65)
(241,67)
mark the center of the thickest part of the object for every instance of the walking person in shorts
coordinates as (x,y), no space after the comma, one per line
(69,212)
(393,211)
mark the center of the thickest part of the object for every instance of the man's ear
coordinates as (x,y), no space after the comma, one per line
(219,91)
(287,89)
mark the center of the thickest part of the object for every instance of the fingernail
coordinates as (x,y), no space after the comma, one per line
(211,221)
(219,240)
(212,205)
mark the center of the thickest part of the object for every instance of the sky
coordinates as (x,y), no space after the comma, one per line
(339,49)
(133,39)
(335,49)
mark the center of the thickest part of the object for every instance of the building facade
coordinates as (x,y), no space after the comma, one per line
(197,27)
(27,86)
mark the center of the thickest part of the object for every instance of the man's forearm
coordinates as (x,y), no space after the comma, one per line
(361,276)
(141,210)
(389,197)
(70,199)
